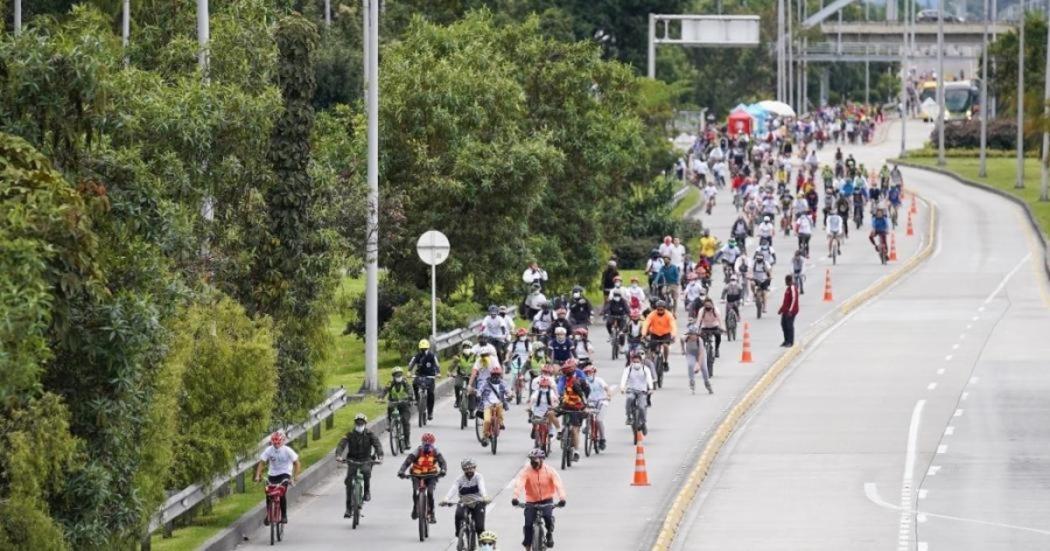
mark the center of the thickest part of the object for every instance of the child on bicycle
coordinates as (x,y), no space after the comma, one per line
(494,402)
(597,399)
(282,467)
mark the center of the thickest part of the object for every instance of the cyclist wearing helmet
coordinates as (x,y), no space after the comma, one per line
(493,401)
(398,395)
(361,445)
(582,349)
(634,330)
(765,230)
(542,320)
(708,246)
(495,329)
(616,310)
(635,381)
(487,541)
(880,226)
(573,391)
(544,401)
(427,461)
(635,295)
(427,369)
(462,364)
(470,487)
(282,467)
(560,320)
(539,484)
(597,399)
(561,346)
(609,276)
(533,302)
(483,366)
(660,327)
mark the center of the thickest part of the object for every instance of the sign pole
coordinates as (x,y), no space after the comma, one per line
(433,304)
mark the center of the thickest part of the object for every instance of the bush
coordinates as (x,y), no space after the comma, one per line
(632,252)
(390,297)
(229,385)
(1002,134)
(410,322)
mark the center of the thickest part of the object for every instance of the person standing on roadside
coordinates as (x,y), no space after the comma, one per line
(788,311)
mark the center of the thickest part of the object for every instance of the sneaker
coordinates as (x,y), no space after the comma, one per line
(718,354)
(430,417)
(485,443)
(550,539)
(709,391)
(284,520)
(432,519)
(368,496)
(266,521)
(414,514)
(601,444)
(347,514)
(575,457)
(627,422)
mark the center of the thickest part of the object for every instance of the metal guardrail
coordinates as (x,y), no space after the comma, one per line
(185,500)
(678,195)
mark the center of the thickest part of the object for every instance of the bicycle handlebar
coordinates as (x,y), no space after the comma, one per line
(538,505)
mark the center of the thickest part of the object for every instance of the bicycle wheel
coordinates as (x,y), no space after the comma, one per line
(710,360)
(421,508)
(659,374)
(463,417)
(357,516)
(273,532)
(479,425)
(280,531)
(615,344)
(538,543)
(495,437)
(395,437)
(758,306)
(422,406)
(274,514)
(587,444)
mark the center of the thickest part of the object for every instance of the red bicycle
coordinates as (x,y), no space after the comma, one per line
(274,518)
(542,429)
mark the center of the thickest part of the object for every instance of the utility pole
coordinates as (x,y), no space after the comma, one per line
(651,72)
(372,226)
(125,23)
(982,170)
(1019,184)
(327,13)
(789,44)
(203,37)
(940,83)
(1045,173)
(780,50)
(904,78)
(18,17)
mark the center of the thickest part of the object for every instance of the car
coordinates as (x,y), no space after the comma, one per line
(930,16)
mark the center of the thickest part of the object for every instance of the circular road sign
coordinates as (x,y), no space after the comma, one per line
(432,247)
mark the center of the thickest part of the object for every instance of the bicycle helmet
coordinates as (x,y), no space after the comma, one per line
(493,310)
(428,438)
(468,463)
(569,364)
(578,289)
(690,276)
(521,332)
(424,344)
(466,345)
(581,331)
(537,454)
(548,369)
(487,536)
(398,370)
(277,438)
(503,309)
(360,417)
(590,369)
(661,304)
(559,330)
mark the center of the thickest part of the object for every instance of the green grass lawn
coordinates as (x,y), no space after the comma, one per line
(690,200)
(1002,174)
(344,367)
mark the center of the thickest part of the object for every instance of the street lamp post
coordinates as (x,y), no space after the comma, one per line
(202,37)
(982,170)
(372,225)
(1045,171)
(904,78)
(940,83)
(1019,183)
(18,17)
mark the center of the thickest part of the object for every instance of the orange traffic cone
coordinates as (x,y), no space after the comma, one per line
(893,246)
(911,230)
(827,286)
(641,477)
(745,356)
(912,209)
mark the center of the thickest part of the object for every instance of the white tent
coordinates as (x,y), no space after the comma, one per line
(778,108)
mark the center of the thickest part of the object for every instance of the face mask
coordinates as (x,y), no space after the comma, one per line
(359,428)
(487,547)
(617,284)
(397,378)
(560,338)
(494,378)
(634,285)
(709,307)
(576,295)
(535,464)
(636,365)
(616,298)
(502,315)
(590,378)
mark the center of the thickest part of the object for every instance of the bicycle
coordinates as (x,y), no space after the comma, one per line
(357,489)
(709,348)
(732,317)
(517,370)
(836,248)
(462,405)
(760,299)
(494,429)
(637,404)
(566,440)
(539,528)
(614,336)
(274,493)
(419,490)
(424,389)
(592,432)
(541,428)
(656,348)
(881,248)
(396,428)
(467,535)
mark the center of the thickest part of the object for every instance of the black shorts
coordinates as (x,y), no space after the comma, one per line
(575,418)
(762,285)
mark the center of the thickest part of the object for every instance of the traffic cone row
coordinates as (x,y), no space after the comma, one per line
(893,246)
(745,356)
(641,476)
(912,209)
(827,286)
(911,229)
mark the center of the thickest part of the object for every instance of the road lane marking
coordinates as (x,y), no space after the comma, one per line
(969,326)
(965,395)
(932,471)
(948,358)
(958,413)
(962,336)
(1007,277)
(973,380)
(980,308)
(923,493)
(931,386)
(955,346)
(943,448)
(909,470)
(871,491)
(949,430)
(941,370)
(922,545)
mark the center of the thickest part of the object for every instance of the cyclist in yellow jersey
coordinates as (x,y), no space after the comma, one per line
(708,246)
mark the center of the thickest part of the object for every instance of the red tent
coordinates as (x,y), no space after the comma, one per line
(739,122)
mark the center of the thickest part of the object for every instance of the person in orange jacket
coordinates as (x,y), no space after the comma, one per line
(541,485)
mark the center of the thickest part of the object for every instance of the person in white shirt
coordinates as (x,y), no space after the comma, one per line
(765,231)
(544,401)
(283,467)
(597,400)
(534,274)
(702,171)
(834,231)
(678,254)
(472,494)
(710,195)
(666,247)
(635,295)
(804,229)
(636,382)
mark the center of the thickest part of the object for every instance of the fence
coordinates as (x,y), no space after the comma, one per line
(184,501)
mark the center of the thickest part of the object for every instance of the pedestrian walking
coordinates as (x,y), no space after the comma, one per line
(788,311)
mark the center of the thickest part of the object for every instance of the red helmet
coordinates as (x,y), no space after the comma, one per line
(690,276)
(581,331)
(277,438)
(429,438)
(548,369)
(545,382)
(521,332)
(569,366)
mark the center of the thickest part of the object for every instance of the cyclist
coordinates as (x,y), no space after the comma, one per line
(761,275)
(858,205)
(636,380)
(462,364)
(470,487)
(597,399)
(880,226)
(533,301)
(582,349)
(635,295)
(539,484)
(609,275)
(426,370)
(616,311)
(493,401)
(732,294)
(634,330)
(544,402)
(580,307)
(708,246)
(765,230)
(282,467)
(425,460)
(573,391)
(695,358)
(739,230)
(710,321)
(804,230)
(398,395)
(835,228)
(519,353)
(560,321)
(660,327)
(561,346)
(361,446)
(710,194)
(669,277)
(493,327)
(484,365)
(694,291)
(487,541)
(541,322)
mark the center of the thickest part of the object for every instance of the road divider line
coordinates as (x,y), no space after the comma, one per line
(907,493)
(681,502)
(1006,279)
(872,493)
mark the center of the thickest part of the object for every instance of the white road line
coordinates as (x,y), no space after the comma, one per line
(1007,278)
(949,430)
(923,545)
(980,308)
(962,336)
(923,493)
(943,448)
(948,358)
(955,346)
(975,318)
(965,395)
(872,493)
(909,471)
(973,380)
(931,386)
(969,326)
(932,471)
(941,370)
(958,413)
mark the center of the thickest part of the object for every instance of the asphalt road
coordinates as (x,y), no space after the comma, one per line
(604,510)
(919,422)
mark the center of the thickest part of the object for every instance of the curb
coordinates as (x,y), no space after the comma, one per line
(726,427)
(985,187)
(240,530)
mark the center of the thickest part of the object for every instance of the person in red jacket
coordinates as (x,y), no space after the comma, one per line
(788,311)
